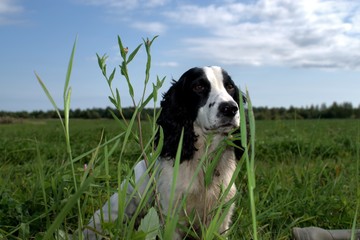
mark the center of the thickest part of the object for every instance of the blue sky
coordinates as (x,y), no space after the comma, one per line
(287,53)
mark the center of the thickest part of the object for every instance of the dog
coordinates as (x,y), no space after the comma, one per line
(203,108)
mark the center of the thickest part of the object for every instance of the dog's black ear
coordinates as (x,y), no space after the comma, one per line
(174,117)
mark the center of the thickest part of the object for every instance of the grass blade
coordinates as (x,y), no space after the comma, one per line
(49,97)
(249,159)
(69,70)
(172,216)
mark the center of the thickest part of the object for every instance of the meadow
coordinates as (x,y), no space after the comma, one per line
(55,173)
(307,174)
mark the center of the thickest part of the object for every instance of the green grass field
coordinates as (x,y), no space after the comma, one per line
(307,174)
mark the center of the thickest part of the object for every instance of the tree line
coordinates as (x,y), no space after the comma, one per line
(336,110)
(93,113)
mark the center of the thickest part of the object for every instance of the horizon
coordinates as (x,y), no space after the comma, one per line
(308,107)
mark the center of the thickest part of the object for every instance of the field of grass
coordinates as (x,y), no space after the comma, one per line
(307,174)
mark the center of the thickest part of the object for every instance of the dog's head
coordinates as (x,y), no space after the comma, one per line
(206,98)
(217,98)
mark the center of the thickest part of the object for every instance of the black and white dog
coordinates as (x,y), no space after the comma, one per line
(204,102)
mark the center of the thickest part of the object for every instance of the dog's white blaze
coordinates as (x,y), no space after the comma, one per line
(216,78)
(208,117)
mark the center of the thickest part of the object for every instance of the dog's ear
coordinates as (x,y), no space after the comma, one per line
(174,117)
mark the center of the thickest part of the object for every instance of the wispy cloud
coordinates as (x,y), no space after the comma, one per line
(150,27)
(9,9)
(127,9)
(306,33)
(125,4)
(167,64)
(155,3)
(111,4)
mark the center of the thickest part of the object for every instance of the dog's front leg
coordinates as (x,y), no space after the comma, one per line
(106,215)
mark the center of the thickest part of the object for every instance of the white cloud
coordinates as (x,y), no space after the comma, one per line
(8,10)
(305,33)
(134,12)
(125,4)
(155,3)
(9,7)
(111,4)
(150,27)
(167,64)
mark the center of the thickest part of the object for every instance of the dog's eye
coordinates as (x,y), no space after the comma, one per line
(229,87)
(198,88)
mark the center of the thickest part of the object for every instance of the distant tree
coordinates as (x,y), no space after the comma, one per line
(347,110)
(357,112)
(76,114)
(23,114)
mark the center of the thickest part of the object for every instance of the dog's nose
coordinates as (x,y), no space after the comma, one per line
(228,109)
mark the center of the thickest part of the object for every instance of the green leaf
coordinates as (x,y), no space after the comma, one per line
(113,101)
(121,123)
(151,95)
(131,89)
(68,73)
(123,52)
(100,60)
(67,101)
(252,136)
(148,44)
(150,224)
(138,235)
(209,172)
(123,69)
(51,100)
(48,94)
(111,76)
(118,99)
(155,92)
(132,55)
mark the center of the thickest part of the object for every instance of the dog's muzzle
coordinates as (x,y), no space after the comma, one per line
(228,109)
